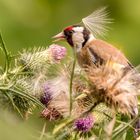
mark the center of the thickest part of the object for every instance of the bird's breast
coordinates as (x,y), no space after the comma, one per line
(88,57)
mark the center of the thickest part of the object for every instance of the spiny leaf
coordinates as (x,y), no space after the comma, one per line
(25,95)
(14,105)
(7,55)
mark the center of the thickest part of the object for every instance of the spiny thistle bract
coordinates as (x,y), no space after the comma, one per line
(39,59)
(82,103)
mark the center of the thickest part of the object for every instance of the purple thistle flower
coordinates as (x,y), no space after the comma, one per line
(47,96)
(58,52)
(84,124)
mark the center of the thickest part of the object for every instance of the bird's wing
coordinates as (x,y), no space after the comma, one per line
(105,52)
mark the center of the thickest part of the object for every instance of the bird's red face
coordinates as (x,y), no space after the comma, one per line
(73,35)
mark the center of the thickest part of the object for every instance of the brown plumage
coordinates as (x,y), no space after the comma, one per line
(98,52)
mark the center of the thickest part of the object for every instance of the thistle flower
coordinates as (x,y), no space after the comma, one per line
(51,114)
(47,96)
(58,52)
(39,59)
(59,88)
(84,124)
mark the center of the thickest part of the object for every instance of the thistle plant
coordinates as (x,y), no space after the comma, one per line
(67,95)
(22,77)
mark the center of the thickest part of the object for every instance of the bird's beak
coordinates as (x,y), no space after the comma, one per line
(59,37)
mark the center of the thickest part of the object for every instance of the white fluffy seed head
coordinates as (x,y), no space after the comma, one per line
(97,22)
(120,89)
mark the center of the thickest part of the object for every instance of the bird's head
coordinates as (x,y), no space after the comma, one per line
(76,35)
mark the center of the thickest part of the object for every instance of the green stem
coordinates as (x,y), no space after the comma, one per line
(129,125)
(43,131)
(62,125)
(6,54)
(76,136)
(71,80)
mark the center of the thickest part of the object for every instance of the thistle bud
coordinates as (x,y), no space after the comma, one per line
(51,114)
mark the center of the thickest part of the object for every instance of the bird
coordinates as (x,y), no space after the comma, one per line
(100,56)
(89,49)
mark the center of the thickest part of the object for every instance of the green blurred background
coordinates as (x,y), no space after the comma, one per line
(29,23)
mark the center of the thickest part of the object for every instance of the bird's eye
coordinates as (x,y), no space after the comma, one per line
(71,31)
(68,33)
